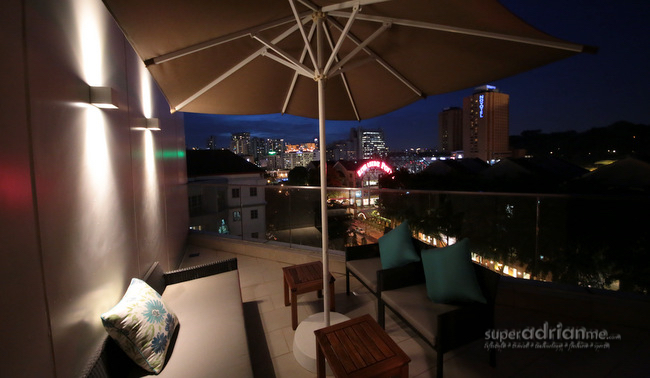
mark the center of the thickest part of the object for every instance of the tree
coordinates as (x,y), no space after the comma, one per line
(298,176)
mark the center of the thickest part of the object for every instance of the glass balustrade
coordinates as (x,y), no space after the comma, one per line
(592,241)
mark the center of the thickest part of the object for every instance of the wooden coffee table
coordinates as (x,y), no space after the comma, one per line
(301,279)
(359,347)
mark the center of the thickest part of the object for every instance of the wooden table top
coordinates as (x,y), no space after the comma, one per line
(303,273)
(360,347)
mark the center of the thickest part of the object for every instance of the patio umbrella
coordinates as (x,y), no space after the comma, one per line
(327,59)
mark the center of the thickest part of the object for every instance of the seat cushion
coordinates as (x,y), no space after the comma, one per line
(211,339)
(450,274)
(366,271)
(413,304)
(396,247)
(462,323)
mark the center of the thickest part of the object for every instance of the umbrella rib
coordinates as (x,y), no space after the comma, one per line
(381,61)
(339,6)
(219,79)
(292,86)
(289,64)
(478,33)
(361,46)
(343,77)
(234,69)
(303,34)
(288,59)
(342,37)
(217,41)
(350,4)
(351,66)
(309,5)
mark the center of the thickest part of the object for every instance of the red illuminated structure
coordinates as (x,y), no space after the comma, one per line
(374,164)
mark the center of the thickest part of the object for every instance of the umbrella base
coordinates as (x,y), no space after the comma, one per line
(304,340)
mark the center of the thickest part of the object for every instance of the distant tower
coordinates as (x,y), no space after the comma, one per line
(342,150)
(450,129)
(240,143)
(371,143)
(212,143)
(276,145)
(485,124)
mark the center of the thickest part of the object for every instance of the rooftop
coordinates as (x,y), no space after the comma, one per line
(519,306)
(217,162)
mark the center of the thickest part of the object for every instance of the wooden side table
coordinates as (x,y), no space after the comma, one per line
(359,347)
(301,279)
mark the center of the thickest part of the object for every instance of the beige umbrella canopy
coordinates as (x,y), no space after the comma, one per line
(222,56)
(373,56)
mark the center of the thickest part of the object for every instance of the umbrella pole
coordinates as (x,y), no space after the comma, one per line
(323,171)
(323,204)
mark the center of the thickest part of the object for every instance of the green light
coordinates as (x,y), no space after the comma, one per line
(171,154)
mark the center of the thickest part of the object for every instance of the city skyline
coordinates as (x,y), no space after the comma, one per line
(577,93)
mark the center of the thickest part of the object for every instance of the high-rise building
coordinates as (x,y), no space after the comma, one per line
(342,150)
(212,143)
(298,159)
(486,124)
(370,143)
(240,143)
(261,148)
(275,145)
(450,129)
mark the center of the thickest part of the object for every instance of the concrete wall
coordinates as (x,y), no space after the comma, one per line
(86,201)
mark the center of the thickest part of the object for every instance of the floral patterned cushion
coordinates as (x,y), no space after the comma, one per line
(142,325)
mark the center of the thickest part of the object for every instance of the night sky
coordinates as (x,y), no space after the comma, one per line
(577,93)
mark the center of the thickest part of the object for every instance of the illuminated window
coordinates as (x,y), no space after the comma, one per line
(223,228)
(236,216)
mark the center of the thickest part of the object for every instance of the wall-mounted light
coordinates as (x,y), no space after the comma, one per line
(152,124)
(103,97)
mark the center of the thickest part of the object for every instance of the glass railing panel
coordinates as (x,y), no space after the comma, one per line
(293,215)
(593,241)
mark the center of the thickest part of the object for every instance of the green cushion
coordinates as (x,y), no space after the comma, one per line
(450,275)
(396,247)
(142,325)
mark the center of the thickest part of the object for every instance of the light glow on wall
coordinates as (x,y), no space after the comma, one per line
(145,90)
(151,210)
(96,160)
(149,157)
(100,231)
(90,29)
(98,202)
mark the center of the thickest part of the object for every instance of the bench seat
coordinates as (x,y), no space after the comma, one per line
(212,336)
(210,340)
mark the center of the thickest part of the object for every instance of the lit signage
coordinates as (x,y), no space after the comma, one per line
(376,164)
(481,105)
